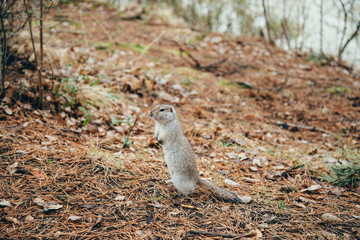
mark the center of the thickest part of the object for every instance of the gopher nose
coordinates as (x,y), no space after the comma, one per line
(151,114)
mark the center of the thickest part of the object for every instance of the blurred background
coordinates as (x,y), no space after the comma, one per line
(321,27)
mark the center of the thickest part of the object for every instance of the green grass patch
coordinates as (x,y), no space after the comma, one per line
(134,46)
(344,175)
(104,46)
(339,90)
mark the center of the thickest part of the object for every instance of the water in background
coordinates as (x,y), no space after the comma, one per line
(303,20)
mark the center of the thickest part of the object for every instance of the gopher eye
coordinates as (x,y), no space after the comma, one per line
(162,109)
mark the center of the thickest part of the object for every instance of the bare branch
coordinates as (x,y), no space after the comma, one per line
(321,26)
(36,61)
(344,29)
(3,56)
(351,38)
(41,35)
(267,23)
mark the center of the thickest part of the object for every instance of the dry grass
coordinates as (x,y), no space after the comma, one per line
(132,200)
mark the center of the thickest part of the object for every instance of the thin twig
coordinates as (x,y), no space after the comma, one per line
(310,128)
(126,142)
(41,35)
(351,37)
(3,57)
(36,61)
(103,28)
(46,14)
(9,176)
(221,234)
(344,29)
(147,47)
(114,182)
(197,63)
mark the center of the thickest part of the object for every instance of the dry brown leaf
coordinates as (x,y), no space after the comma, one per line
(29,218)
(12,219)
(330,218)
(39,174)
(13,168)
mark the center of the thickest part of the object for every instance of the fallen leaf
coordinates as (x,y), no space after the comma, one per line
(4,203)
(22,152)
(48,206)
(12,219)
(29,218)
(304,67)
(300,205)
(278,173)
(213,155)
(51,138)
(258,235)
(12,168)
(39,201)
(74,218)
(306,200)
(245,199)
(231,155)
(8,110)
(278,167)
(98,220)
(225,208)
(231,182)
(39,174)
(253,169)
(336,192)
(268,217)
(330,218)
(311,188)
(251,180)
(119,198)
(156,204)
(263,225)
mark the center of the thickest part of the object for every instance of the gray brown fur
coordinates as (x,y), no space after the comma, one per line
(179,156)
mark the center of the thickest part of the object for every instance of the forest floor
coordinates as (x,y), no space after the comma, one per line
(262,122)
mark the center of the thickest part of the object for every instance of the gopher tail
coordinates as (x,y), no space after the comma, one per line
(220,192)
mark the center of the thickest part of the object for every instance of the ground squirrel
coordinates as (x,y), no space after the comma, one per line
(179,156)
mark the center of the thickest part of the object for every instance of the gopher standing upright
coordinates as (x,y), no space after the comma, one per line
(179,156)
